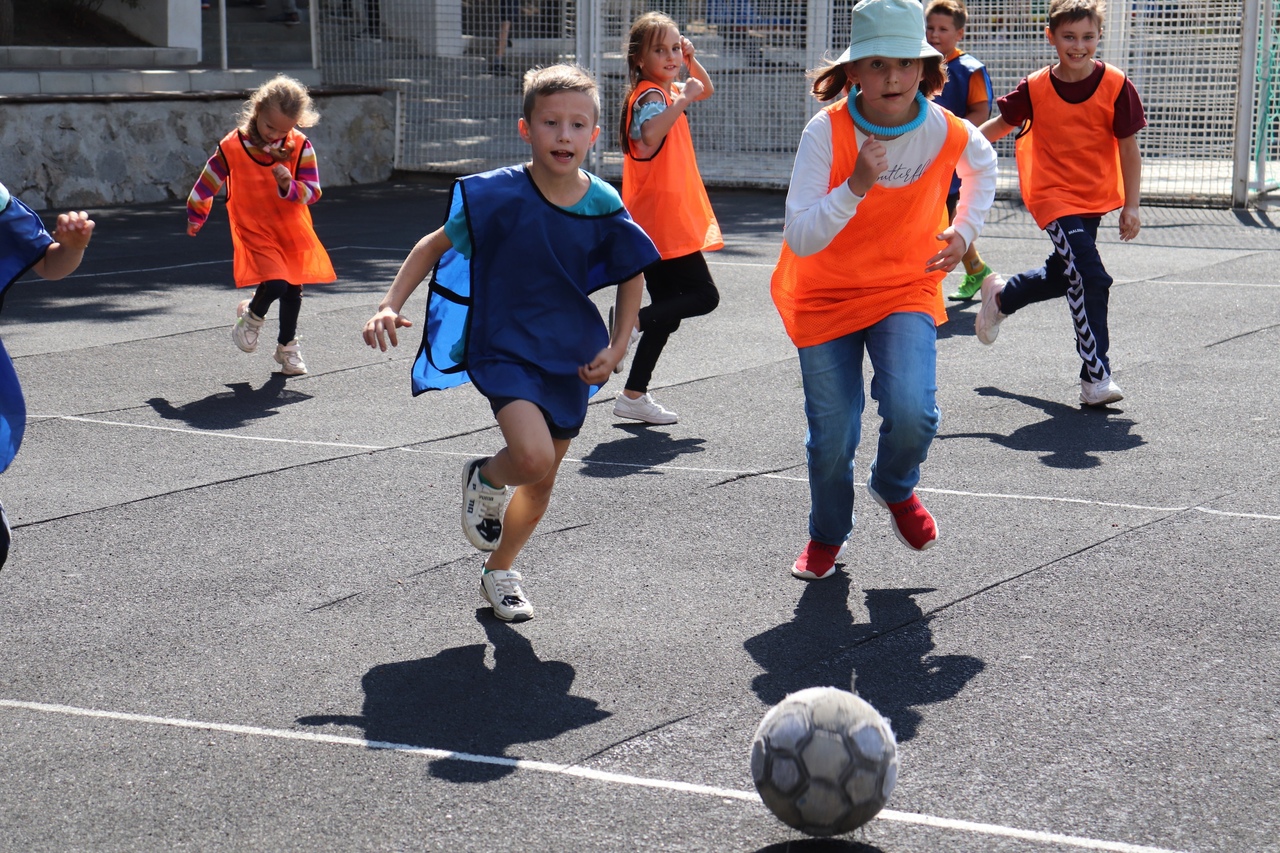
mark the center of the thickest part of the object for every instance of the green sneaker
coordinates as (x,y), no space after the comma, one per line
(971,285)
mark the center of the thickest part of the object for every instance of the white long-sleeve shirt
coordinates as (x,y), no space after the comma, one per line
(814,216)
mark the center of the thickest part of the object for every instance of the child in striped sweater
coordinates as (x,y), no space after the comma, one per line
(271,167)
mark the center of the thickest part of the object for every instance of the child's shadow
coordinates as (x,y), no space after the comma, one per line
(1070,437)
(888,660)
(453,701)
(231,409)
(643,448)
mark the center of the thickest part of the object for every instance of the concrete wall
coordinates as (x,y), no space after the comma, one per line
(164,23)
(96,153)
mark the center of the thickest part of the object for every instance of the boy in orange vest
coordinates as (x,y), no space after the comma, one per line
(1083,164)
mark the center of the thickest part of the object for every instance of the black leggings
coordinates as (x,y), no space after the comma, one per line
(290,296)
(678,288)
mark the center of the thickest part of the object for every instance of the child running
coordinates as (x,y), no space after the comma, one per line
(967,94)
(866,247)
(509,307)
(26,245)
(663,191)
(269,168)
(1078,159)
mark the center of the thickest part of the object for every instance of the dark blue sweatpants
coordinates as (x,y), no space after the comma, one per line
(1075,271)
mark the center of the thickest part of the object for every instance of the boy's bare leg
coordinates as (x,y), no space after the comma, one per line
(524,511)
(529,461)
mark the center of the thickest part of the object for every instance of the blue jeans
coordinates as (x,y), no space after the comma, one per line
(903,352)
(1075,271)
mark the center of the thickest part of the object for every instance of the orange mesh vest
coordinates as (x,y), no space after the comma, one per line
(1072,166)
(665,195)
(272,237)
(875,266)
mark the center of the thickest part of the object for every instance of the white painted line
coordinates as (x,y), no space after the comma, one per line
(569,770)
(685,468)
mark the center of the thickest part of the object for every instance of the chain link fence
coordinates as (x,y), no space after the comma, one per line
(458,63)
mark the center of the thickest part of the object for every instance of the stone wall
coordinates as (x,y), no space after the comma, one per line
(84,152)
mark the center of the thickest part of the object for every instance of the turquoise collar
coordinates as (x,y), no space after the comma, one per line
(880,130)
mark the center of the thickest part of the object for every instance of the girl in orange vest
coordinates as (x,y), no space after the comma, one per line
(269,169)
(663,192)
(867,245)
(1078,159)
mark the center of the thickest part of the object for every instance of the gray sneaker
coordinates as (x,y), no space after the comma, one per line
(289,357)
(1100,393)
(987,324)
(643,408)
(481,508)
(503,591)
(245,332)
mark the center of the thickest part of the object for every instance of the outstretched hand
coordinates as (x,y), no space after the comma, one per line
(951,253)
(382,327)
(73,230)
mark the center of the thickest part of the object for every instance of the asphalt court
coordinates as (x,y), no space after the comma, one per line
(239,613)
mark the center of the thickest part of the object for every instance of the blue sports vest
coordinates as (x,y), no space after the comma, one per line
(516,318)
(955,95)
(23,242)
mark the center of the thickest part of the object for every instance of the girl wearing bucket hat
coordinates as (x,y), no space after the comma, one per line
(866,246)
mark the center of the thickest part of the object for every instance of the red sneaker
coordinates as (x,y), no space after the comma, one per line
(911,521)
(817,561)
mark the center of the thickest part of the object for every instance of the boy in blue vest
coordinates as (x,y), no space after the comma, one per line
(968,94)
(509,309)
(26,245)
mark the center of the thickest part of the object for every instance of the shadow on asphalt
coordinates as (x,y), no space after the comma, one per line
(452,701)
(886,661)
(643,447)
(1070,438)
(242,405)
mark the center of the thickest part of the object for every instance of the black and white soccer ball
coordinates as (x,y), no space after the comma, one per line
(824,761)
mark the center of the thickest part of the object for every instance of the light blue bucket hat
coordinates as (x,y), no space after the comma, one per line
(890,28)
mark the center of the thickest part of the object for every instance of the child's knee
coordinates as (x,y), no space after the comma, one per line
(533,462)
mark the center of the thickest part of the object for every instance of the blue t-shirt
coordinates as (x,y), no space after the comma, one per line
(601,199)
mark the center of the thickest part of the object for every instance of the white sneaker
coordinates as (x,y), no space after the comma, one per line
(289,357)
(503,591)
(1100,393)
(631,343)
(987,324)
(245,332)
(643,408)
(481,508)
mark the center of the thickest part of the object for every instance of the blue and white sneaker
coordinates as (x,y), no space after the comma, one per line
(481,508)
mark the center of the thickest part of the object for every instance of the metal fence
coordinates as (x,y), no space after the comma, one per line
(1207,71)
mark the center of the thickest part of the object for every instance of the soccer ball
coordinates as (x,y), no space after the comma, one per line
(824,761)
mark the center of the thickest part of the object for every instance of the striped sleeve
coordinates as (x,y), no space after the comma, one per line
(207,185)
(305,187)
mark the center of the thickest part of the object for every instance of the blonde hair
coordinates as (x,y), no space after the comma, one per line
(1069,11)
(644,31)
(955,8)
(831,80)
(284,93)
(539,82)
